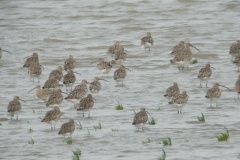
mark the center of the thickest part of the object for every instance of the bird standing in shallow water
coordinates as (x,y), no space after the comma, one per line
(214,93)
(147,42)
(120,74)
(55,99)
(35,70)
(103,66)
(3,51)
(43,94)
(140,118)
(172,91)
(237,61)
(120,56)
(51,83)
(69,64)
(178,48)
(179,101)
(183,57)
(67,129)
(69,79)
(234,49)
(52,116)
(75,96)
(14,106)
(96,86)
(83,86)
(237,86)
(31,59)
(86,104)
(114,48)
(205,73)
(57,73)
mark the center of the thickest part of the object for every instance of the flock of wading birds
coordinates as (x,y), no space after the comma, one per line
(53,96)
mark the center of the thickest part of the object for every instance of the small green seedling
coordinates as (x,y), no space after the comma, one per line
(33,110)
(159,142)
(97,127)
(79,126)
(31,142)
(0,124)
(148,141)
(167,141)
(201,119)
(134,112)
(152,121)
(114,130)
(194,61)
(224,136)
(186,140)
(163,156)
(30,130)
(76,154)
(159,108)
(88,131)
(10,115)
(119,106)
(70,141)
(40,118)
(238,155)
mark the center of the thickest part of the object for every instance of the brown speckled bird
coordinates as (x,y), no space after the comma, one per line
(205,73)
(55,99)
(70,63)
(31,59)
(14,106)
(52,116)
(172,91)
(147,42)
(57,73)
(67,129)
(178,48)
(140,118)
(86,104)
(179,101)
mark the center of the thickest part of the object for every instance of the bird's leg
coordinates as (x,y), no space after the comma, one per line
(66,88)
(38,80)
(51,127)
(138,128)
(33,80)
(149,49)
(206,83)
(216,104)
(17,117)
(71,88)
(200,83)
(142,128)
(11,117)
(89,114)
(83,114)
(54,126)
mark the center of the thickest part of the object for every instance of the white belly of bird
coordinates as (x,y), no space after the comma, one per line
(35,75)
(204,78)
(54,105)
(120,79)
(94,90)
(52,122)
(119,62)
(138,125)
(69,85)
(146,45)
(105,71)
(73,100)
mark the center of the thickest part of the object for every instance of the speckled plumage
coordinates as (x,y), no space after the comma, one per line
(67,129)
(35,70)
(32,59)
(205,73)
(57,73)
(213,94)
(120,56)
(103,66)
(120,74)
(178,48)
(179,101)
(147,42)
(51,83)
(237,86)
(114,48)
(140,118)
(234,49)
(14,107)
(75,96)
(95,86)
(51,117)
(70,63)
(237,61)
(172,91)
(83,86)
(69,79)
(55,99)
(86,104)
(43,94)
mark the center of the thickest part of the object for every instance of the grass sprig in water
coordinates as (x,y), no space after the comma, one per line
(163,156)
(70,141)
(79,126)
(148,141)
(30,130)
(31,142)
(194,61)
(98,127)
(224,136)
(114,130)
(119,106)
(152,121)
(76,154)
(201,119)
(167,141)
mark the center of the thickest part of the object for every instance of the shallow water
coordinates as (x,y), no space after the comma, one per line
(55,29)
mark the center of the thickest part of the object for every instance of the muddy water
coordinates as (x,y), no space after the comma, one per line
(55,29)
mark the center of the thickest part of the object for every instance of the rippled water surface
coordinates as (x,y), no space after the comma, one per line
(55,29)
